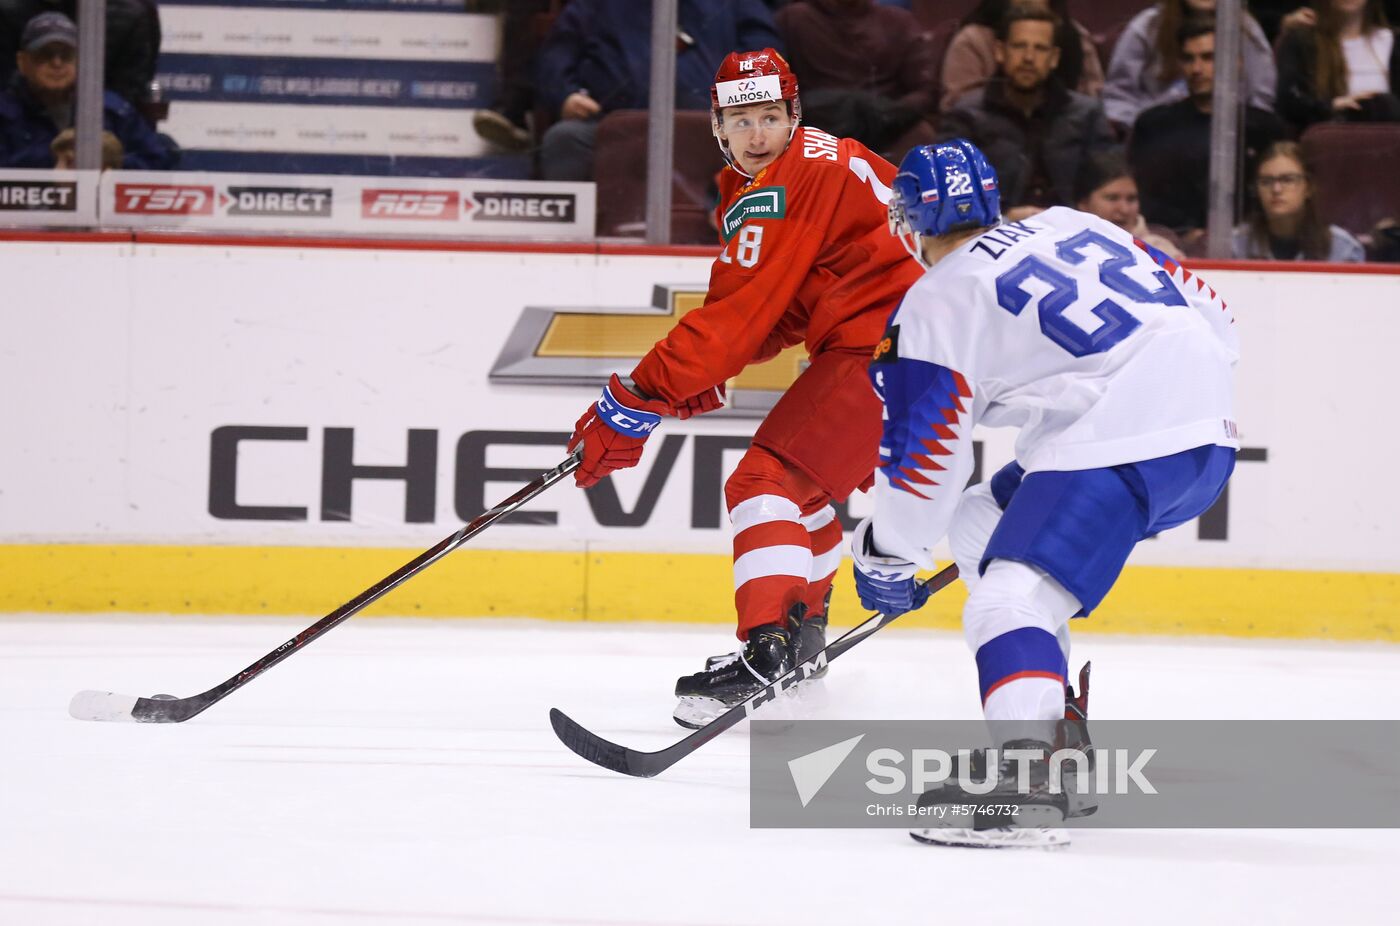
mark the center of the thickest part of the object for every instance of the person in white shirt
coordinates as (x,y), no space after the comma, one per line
(1340,62)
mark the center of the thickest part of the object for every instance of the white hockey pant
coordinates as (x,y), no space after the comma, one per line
(1011,595)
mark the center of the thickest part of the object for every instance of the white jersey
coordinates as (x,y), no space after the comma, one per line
(1100,349)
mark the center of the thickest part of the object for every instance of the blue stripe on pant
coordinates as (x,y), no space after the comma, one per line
(1027,652)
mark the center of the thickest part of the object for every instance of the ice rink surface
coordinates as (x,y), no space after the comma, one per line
(404,772)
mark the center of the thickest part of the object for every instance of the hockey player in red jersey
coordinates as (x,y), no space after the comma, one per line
(806,258)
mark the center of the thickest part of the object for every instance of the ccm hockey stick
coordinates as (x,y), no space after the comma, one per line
(104,705)
(650,764)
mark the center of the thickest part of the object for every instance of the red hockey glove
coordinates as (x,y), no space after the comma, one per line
(709,400)
(612,432)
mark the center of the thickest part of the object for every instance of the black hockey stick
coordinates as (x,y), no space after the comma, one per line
(650,764)
(104,705)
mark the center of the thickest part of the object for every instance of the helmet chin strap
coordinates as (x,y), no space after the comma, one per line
(913,243)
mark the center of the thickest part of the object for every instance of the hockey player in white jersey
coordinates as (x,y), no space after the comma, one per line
(1116,365)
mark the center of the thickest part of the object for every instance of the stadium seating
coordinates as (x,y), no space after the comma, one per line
(620,169)
(1341,153)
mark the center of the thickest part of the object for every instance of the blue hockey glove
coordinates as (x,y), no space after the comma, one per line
(884,583)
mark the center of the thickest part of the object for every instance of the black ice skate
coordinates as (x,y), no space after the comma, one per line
(706,695)
(809,638)
(1004,817)
(1072,734)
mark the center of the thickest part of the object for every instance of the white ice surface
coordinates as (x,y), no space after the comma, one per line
(404,772)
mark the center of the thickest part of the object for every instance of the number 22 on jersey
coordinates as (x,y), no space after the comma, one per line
(1062,293)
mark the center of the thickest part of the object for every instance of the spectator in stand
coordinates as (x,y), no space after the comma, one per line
(65,151)
(133,41)
(1340,62)
(597,58)
(1105,187)
(1285,224)
(970,60)
(504,123)
(41,103)
(1146,67)
(1034,131)
(1170,148)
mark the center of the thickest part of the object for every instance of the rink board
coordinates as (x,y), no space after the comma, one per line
(644,586)
(270,427)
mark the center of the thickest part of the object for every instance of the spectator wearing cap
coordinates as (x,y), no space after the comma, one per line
(40,103)
(133,40)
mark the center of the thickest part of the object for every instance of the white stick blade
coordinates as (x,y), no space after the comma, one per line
(101,705)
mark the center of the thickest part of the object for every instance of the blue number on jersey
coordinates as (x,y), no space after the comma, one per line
(1117,322)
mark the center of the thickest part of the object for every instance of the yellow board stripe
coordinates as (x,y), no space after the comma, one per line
(637,586)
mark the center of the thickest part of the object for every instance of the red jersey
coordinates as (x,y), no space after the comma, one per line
(807,256)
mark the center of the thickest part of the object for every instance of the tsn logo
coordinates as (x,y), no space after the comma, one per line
(428,205)
(163,199)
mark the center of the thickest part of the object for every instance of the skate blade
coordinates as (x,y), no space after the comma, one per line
(694,712)
(1050,838)
(798,702)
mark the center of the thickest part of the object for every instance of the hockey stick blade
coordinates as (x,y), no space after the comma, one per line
(118,708)
(615,758)
(109,706)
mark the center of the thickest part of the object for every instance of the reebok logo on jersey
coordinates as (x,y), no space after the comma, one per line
(770,202)
(887,351)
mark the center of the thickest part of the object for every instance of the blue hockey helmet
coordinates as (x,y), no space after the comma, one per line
(940,189)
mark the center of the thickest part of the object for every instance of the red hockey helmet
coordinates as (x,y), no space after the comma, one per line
(746,77)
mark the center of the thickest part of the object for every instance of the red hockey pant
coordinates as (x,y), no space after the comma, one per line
(817,445)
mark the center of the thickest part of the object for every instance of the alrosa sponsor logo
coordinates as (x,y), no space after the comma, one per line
(417,205)
(749,90)
(164,199)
